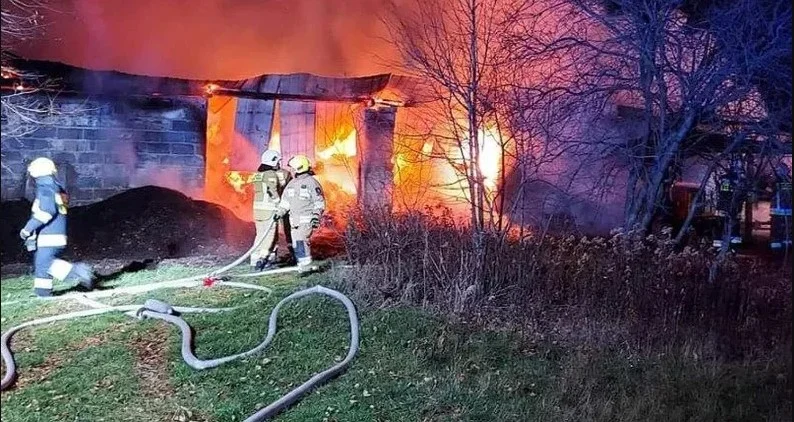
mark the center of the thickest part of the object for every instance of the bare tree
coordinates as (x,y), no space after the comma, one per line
(22,110)
(679,67)
(455,45)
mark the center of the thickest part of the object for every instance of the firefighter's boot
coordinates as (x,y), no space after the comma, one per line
(84,274)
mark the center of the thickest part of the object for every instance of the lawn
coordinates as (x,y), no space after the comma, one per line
(412,366)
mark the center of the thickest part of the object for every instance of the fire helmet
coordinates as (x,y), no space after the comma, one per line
(299,163)
(271,157)
(41,167)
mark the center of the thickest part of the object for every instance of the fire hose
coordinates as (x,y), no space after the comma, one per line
(160,310)
(8,356)
(290,398)
(208,279)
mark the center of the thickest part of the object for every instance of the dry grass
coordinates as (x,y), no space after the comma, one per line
(631,290)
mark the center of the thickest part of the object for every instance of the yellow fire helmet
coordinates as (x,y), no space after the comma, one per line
(299,163)
(41,167)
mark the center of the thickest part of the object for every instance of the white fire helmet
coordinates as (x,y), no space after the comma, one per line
(271,157)
(41,167)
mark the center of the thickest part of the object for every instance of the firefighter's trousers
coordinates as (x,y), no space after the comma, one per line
(301,233)
(268,246)
(48,266)
(267,250)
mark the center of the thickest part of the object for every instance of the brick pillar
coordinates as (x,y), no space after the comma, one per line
(376,147)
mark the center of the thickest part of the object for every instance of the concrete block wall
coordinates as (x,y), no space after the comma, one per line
(106,146)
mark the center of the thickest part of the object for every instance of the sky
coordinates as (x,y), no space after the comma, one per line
(217,39)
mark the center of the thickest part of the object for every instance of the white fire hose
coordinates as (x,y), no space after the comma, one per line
(291,397)
(160,310)
(194,281)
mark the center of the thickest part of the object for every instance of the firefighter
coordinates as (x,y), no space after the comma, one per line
(304,202)
(729,203)
(269,182)
(780,210)
(45,232)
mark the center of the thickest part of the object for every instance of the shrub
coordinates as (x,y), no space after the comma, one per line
(628,281)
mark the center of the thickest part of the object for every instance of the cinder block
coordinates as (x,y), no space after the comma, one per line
(95,134)
(172,137)
(183,149)
(11,157)
(90,158)
(69,133)
(185,126)
(153,147)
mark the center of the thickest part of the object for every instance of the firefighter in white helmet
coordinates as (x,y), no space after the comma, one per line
(45,232)
(304,202)
(269,182)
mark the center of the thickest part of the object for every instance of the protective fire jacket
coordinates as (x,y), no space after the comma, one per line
(728,187)
(303,198)
(48,213)
(268,187)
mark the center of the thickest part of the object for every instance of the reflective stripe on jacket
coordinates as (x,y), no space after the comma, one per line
(268,187)
(303,198)
(48,213)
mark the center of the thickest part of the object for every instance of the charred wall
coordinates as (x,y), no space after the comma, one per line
(104,146)
(376,142)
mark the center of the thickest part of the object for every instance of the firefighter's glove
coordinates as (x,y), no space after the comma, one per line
(315,222)
(277,216)
(24,234)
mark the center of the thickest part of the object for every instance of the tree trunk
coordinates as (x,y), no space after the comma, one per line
(645,213)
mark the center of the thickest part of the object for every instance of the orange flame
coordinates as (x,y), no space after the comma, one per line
(490,143)
(341,146)
(337,162)
(238,180)
(211,88)
(222,185)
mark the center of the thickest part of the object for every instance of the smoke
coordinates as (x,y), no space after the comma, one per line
(218,39)
(169,177)
(154,174)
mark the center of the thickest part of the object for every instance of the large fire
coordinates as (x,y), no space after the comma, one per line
(426,172)
(337,161)
(223,184)
(490,143)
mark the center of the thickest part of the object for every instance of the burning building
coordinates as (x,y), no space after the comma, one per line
(111,131)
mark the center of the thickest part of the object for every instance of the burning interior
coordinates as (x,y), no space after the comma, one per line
(360,133)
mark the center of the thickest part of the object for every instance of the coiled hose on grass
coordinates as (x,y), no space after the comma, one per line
(160,310)
(8,356)
(291,397)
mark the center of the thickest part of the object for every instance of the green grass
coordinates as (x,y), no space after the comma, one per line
(411,367)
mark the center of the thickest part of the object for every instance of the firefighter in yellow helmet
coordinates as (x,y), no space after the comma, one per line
(45,232)
(269,182)
(304,202)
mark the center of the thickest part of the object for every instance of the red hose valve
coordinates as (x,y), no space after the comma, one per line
(209,281)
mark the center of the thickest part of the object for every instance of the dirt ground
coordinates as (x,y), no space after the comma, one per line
(147,224)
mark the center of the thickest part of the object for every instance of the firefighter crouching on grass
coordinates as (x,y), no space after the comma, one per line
(304,202)
(269,182)
(45,232)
